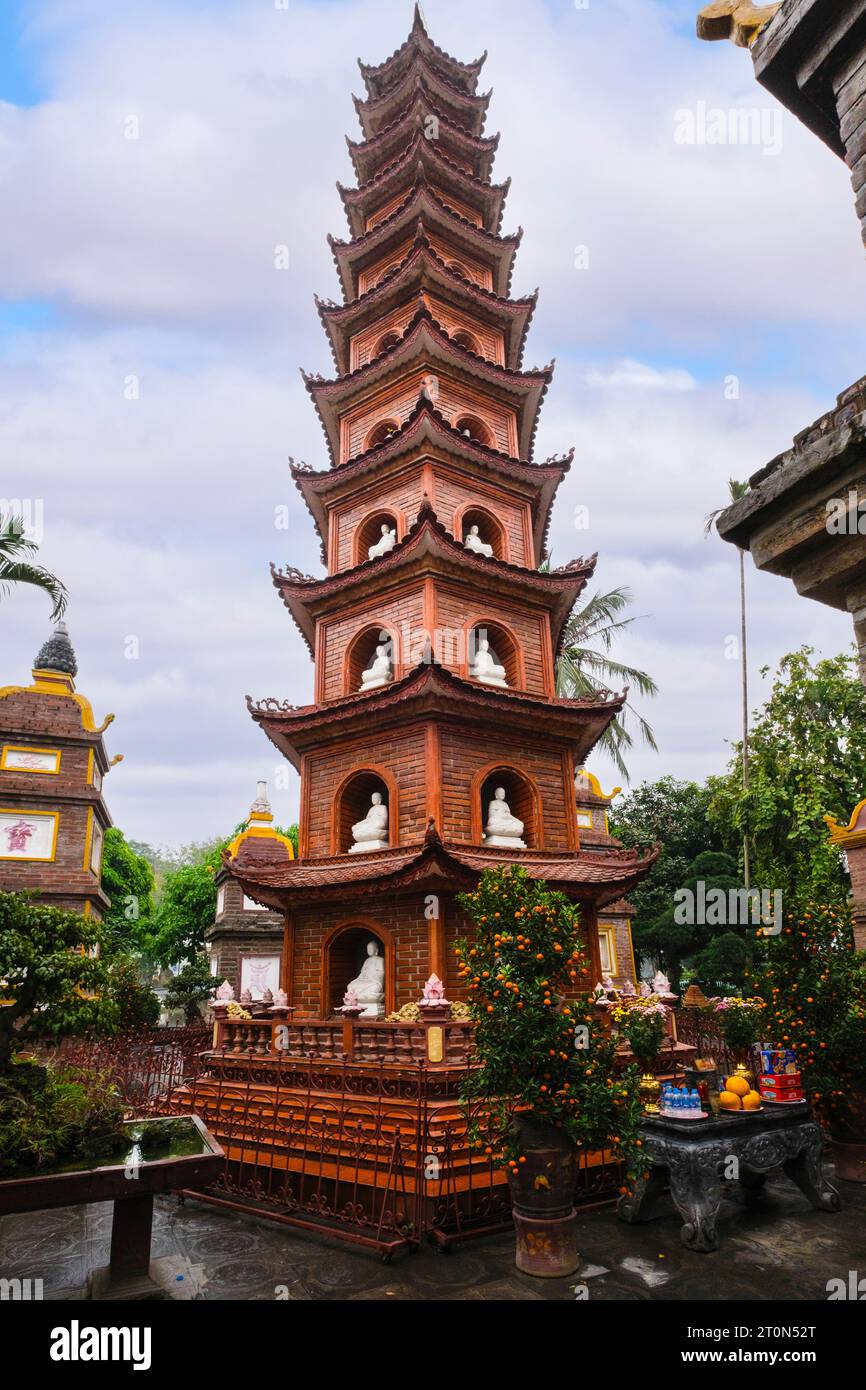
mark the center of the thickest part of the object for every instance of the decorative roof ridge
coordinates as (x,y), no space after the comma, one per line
(416,33)
(490,141)
(423,316)
(423,673)
(421,187)
(420,141)
(428,520)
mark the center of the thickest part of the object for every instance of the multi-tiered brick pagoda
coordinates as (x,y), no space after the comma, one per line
(434,633)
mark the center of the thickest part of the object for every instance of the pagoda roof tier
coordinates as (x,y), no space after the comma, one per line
(378,77)
(600,879)
(431,690)
(423,270)
(425,343)
(421,160)
(424,434)
(429,548)
(368,155)
(463,108)
(424,208)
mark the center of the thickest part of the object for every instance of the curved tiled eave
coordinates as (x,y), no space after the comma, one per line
(423,271)
(422,159)
(431,549)
(367,155)
(376,113)
(432,691)
(378,77)
(424,208)
(424,343)
(598,879)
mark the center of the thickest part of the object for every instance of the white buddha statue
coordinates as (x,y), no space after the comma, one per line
(372,831)
(386,542)
(473,541)
(379,672)
(483,668)
(502,831)
(369,988)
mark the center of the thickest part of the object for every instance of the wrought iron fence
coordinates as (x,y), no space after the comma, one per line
(375,1153)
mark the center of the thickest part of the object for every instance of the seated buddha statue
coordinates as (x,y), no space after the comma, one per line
(379,672)
(368,990)
(473,541)
(503,830)
(386,542)
(372,831)
(485,669)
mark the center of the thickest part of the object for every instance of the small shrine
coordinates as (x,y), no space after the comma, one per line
(616,948)
(53,760)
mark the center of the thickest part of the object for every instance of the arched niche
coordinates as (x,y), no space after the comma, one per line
(382,430)
(503,647)
(361,652)
(344,951)
(388,340)
(489,528)
(354,799)
(475,429)
(463,338)
(522,796)
(369,531)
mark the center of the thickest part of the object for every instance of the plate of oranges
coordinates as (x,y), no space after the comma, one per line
(737,1095)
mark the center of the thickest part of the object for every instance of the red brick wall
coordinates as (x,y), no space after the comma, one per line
(336,636)
(464,755)
(401,753)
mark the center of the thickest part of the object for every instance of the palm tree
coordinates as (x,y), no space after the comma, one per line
(585,667)
(17,568)
(736,491)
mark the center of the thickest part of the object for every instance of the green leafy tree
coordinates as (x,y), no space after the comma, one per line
(807,759)
(186,900)
(17,567)
(673,814)
(129,881)
(541,1056)
(585,666)
(52,981)
(716,949)
(190,988)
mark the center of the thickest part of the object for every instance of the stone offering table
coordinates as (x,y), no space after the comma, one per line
(189,1157)
(696,1154)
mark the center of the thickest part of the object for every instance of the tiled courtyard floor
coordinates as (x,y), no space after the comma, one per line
(773,1247)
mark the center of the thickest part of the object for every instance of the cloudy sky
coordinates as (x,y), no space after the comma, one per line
(151,159)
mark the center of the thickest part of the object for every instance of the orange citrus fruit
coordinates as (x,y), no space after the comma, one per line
(752,1101)
(728,1101)
(737,1085)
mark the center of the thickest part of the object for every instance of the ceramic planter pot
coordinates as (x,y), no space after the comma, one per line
(542,1203)
(848,1142)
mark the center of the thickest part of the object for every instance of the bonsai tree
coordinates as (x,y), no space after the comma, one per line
(814,985)
(190,988)
(544,1062)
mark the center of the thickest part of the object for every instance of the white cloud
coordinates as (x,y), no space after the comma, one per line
(157,254)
